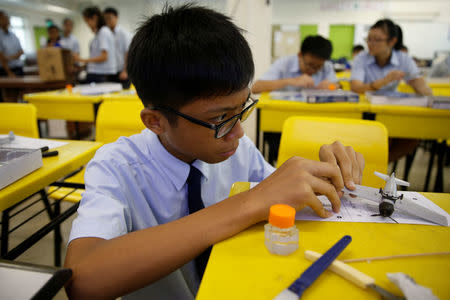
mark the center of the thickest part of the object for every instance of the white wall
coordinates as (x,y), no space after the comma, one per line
(425,24)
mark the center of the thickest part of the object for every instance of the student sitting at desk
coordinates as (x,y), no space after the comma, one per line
(309,68)
(156,201)
(101,63)
(383,66)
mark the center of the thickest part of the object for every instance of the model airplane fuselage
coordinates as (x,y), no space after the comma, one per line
(390,199)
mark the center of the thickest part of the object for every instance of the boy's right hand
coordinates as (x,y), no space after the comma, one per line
(302,81)
(394,75)
(297,182)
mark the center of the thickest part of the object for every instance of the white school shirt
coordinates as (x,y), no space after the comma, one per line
(134,183)
(122,43)
(103,40)
(288,67)
(366,69)
(10,45)
(70,42)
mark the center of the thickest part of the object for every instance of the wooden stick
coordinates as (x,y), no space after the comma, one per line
(394,256)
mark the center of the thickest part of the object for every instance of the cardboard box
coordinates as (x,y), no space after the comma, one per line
(55,64)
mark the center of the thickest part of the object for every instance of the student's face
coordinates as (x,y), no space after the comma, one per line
(68,27)
(378,42)
(53,34)
(310,64)
(111,20)
(4,21)
(189,141)
(91,22)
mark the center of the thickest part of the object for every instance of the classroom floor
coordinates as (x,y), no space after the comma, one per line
(42,252)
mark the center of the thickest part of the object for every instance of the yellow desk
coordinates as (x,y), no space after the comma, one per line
(125,95)
(61,104)
(242,268)
(439,86)
(70,157)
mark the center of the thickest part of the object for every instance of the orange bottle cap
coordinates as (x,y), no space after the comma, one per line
(282,215)
(69,87)
(332,87)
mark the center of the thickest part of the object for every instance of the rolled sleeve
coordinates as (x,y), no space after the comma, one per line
(358,71)
(411,69)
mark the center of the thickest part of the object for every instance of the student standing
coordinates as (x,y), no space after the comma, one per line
(122,43)
(309,68)
(101,63)
(68,40)
(10,50)
(53,36)
(156,201)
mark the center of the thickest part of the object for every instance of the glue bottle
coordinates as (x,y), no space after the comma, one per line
(281,234)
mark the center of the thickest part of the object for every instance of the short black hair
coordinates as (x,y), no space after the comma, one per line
(111,10)
(317,46)
(92,11)
(53,26)
(188,53)
(357,48)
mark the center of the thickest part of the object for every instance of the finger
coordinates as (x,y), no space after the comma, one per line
(361,165)
(330,171)
(314,202)
(326,154)
(345,165)
(355,167)
(323,187)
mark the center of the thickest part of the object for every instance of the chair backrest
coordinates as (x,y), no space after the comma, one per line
(21,118)
(118,118)
(303,136)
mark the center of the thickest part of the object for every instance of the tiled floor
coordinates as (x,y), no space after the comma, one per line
(42,252)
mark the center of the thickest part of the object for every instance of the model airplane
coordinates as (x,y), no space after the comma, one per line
(389,200)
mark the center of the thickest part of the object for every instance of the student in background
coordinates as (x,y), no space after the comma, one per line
(381,69)
(156,201)
(10,50)
(68,40)
(101,64)
(309,68)
(53,36)
(356,50)
(383,66)
(122,43)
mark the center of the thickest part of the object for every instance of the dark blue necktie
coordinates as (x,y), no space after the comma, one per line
(195,203)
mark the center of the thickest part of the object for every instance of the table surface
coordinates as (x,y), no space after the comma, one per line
(29,81)
(71,156)
(242,268)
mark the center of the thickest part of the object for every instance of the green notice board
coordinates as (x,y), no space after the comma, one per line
(39,32)
(342,36)
(306,30)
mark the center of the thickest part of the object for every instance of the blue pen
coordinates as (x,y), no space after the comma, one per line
(296,289)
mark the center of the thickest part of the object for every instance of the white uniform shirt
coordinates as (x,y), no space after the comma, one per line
(70,42)
(10,45)
(103,40)
(122,43)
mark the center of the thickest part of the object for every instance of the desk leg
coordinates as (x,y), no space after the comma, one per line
(430,166)
(439,184)
(58,238)
(5,233)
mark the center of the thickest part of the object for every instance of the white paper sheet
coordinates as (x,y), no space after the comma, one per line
(30,143)
(361,210)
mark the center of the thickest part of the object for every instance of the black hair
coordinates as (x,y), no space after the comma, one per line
(317,46)
(53,26)
(111,10)
(92,11)
(392,31)
(358,48)
(188,53)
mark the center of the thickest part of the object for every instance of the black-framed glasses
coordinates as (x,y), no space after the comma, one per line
(220,129)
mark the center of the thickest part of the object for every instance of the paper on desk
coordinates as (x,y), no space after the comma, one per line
(360,210)
(30,143)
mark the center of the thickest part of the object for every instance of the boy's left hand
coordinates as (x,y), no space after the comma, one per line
(350,163)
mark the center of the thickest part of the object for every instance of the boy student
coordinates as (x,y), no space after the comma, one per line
(309,68)
(156,201)
(68,40)
(10,50)
(122,43)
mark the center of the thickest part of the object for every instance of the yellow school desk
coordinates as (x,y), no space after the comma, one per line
(61,104)
(70,157)
(439,86)
(124,95)
(242,268)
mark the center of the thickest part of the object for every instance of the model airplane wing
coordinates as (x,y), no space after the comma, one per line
(365,192)
(411,207)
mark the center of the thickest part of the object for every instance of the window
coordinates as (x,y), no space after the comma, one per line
(17,26)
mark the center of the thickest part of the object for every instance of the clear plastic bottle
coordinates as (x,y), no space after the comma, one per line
(281,235)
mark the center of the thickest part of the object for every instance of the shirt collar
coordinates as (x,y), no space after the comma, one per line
(393,60)
(175,169)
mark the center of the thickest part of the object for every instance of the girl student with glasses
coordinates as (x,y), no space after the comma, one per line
(383,66)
